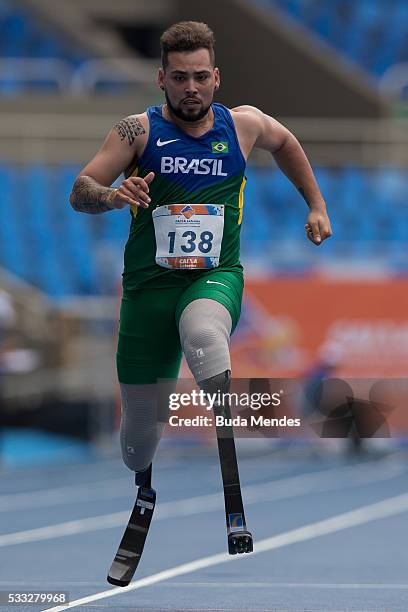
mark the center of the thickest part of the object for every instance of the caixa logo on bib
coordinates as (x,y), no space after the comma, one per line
(174,165)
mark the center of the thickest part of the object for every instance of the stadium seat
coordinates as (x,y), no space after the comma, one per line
(21,36)
(372,33)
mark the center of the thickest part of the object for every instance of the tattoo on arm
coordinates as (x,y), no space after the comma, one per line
(89,196)
(129,128)
(303,194)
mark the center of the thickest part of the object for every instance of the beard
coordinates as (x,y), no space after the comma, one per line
(184,114)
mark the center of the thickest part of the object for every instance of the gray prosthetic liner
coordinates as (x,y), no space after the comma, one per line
(144,417)
(205,327)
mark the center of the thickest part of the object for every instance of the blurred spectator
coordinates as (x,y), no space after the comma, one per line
(324,394)
(7,321)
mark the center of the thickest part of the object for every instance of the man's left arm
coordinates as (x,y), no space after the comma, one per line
(272,136)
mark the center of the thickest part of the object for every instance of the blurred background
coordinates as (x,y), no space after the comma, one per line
(335,72)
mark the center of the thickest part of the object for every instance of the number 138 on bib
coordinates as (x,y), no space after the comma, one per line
(188,236)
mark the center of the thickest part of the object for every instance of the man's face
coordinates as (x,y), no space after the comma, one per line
(189,82)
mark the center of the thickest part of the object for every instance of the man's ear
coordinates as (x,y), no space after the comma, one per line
(217,77)
(160,78)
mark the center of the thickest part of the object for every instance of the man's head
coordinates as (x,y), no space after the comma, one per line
(188,76)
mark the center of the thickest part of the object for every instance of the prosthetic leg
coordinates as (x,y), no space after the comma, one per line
(131,547)
(239,538)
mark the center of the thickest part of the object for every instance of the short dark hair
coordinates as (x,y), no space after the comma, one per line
(187,36)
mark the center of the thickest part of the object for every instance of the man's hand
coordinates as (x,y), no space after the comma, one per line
(318,226)
(134,191)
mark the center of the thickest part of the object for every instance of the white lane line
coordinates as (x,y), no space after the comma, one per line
(66,585)
(295,486)
(83,492)
(87,468)
(81,475)
(86,492)
(360,516)
(285,585)
(26,585)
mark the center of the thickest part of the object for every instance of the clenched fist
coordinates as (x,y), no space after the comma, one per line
(134,191)
(318,226)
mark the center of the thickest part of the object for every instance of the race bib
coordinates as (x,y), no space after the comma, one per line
(188,236)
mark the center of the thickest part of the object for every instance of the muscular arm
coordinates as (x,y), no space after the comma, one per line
(292,160)
(266,133)
(91,192)
(259,130)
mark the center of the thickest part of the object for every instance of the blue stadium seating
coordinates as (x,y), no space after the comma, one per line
(43,240)
(22,37)
(373,33)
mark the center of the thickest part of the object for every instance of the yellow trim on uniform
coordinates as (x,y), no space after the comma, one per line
(133,208)
(241,200)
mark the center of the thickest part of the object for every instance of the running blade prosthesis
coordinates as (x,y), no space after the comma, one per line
(239,538)
(131,547)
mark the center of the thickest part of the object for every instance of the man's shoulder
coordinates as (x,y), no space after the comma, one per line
(248,121)
(247,112)
(247,117)
(134,129)
(136,120)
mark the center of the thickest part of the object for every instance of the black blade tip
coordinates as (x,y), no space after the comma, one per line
(117,582)
(240,542)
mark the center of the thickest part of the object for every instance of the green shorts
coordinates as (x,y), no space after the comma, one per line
(149,344)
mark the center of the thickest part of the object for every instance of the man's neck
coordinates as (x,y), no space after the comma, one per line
(193,128)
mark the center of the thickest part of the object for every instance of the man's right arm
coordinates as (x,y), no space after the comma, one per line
(89,196)
(91,192)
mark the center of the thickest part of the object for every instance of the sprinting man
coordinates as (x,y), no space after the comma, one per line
(184,165)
